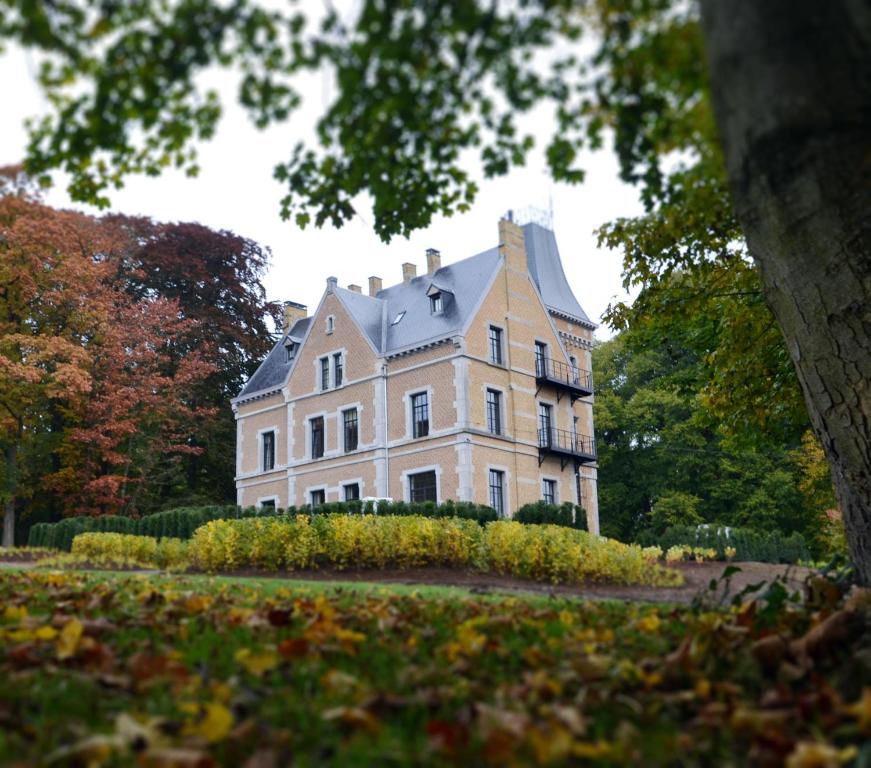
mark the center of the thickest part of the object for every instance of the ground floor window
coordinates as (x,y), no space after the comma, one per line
(318,498)
(548,491)
(268,504)
(497,491)
(352,492)
(422,487)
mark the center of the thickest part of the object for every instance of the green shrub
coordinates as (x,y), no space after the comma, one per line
(541,513)
(749,545)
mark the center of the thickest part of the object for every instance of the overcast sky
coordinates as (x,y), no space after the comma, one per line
(235,191)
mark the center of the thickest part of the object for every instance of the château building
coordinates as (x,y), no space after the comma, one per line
(471,382)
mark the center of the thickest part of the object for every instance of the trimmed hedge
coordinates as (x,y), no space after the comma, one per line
(542,552)
(749,545)
(182,522)
(540,513)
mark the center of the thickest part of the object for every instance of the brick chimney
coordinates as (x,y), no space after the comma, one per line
(433,261)
(374,285)
(355,288)
(409,272)
(292,313)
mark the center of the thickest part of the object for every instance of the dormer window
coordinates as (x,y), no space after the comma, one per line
(435,303)
(439,298)
(290,348)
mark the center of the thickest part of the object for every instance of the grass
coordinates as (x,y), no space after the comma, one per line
(123,669)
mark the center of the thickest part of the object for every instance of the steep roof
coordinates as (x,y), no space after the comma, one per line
(273,371)
(462,285)
(546,269)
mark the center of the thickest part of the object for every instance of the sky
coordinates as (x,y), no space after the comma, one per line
(235,191)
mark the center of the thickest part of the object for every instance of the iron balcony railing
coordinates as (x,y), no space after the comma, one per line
(566,442)
(561,374)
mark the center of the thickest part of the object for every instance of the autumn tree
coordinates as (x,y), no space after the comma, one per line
(782,161)
(214,277)
(88,391)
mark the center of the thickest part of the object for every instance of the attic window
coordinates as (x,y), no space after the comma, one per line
(435,303)
(398,318)
(331,324)
(290,347)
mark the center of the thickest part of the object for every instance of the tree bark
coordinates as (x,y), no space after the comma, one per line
(11,456)
(791,87)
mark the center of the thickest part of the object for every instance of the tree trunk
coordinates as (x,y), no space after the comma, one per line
(11,456)
(791,87)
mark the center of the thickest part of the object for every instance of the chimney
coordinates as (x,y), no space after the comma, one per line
(409,272)
(374,285)
(292,313)
(433,261)
(355,288)
(332,284)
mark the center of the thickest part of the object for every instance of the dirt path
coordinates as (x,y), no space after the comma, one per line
(697,577)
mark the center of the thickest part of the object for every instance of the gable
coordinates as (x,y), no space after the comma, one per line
(346,338)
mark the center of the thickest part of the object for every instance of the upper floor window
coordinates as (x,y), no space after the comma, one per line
(268,451)
(497,491)
(422,486)
(317,436)
(494,412)
(495,345)
(548,491)
(435,303)
(331,324)
(338,369)
(540,358)
(420,414)
(325,373)
(350,429)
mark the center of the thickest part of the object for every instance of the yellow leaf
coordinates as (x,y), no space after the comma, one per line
(257,663)
(214,724)
(45,632)
(15,613)
(861,710)
(70,637)
(814,754)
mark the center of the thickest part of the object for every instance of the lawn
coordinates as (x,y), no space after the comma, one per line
(117,669)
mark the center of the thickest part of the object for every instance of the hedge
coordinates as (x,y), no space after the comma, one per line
(749,545)
(541,513)
(543,552)
(181,523)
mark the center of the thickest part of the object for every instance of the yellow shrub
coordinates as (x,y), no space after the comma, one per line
(542,552)
(127,549)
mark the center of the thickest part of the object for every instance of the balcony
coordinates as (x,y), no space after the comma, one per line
(566,445)
(575,382)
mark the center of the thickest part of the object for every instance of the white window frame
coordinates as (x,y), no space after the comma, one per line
(262,499)
(330,324)
(312,488)
(506,484)
(501,363)
(308,434)
(409,411)
(358,481)
(275,463)
(406,482)
(556,488)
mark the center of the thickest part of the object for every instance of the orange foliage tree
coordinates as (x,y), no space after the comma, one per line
(91,392)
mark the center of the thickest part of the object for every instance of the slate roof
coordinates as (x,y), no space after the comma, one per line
(546,269)
(273,371)
(462,284)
